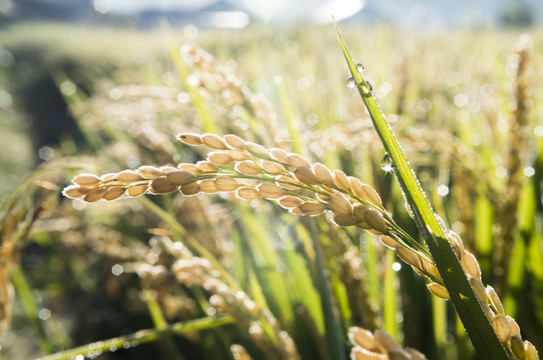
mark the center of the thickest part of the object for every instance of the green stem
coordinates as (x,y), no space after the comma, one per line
(333,339)
(141,337)
(29,304)
(160,322)
(482,335)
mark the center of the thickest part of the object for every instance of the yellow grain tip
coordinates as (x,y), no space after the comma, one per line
(439,291)
(190,139)
(213,141)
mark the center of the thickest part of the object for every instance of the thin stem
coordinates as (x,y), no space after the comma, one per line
(141,337)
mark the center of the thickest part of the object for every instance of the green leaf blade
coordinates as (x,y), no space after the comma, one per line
(478,327)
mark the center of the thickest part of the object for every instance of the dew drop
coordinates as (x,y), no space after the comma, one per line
(351,83)
(370,86)
(386,163)
(360,67)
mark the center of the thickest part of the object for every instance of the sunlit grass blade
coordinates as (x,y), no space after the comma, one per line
(289,119)
(333,338)
(208,125)
(27,298)
(390,298)
(160,322)
(266,259)
(141,337)
(475,321)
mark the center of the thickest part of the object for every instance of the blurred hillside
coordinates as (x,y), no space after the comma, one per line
(239,13)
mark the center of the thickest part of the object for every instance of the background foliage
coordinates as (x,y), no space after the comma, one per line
(465,106)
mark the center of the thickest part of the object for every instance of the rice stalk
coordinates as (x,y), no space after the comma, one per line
(479,308)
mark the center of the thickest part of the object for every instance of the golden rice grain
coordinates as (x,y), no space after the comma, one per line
(305,175)
(479,290)
(371,216)
(239,155)
(110,177)
(75,191)
(288,182)
(247,193)
(214,141)
(359,353)
(272,167)
(161,185)
(323,174)
(341,180)
(399,354)
(225,183)
(312,208)
(257,150)
(137,190)
(456,244)
(531,352)
(220,158)
(471,266)
(517,347)
(385,340)
(420,272)
(190,189)
(179,177)
(149,172)
(208,186)
(87,180)
(431,269)
(296,160)
(207,166)
(167,168)
(364,338)
(248,168)
(340,205)
(279,155)
(515,329)
(114,193)
(191,168)
(359,211)
(296,211)
(415,354)
(290,202)
(270,191)
(95,194)
(346,220)
(190,139)
(408,256)
(128,177)
(494,300)
(323,197)
(439,291)
(365,192)
(234,141)
(501,327)
(388,241)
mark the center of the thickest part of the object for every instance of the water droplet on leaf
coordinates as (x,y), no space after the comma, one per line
(360,67)
(351,83)
(386,163)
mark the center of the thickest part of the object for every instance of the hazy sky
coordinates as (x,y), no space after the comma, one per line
(265,9)
(410,13)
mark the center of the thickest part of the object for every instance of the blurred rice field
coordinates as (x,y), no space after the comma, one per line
(466,107)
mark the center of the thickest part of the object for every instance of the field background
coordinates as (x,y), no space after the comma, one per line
(77,99)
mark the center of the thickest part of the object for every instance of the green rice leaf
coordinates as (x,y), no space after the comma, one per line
(479,329)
